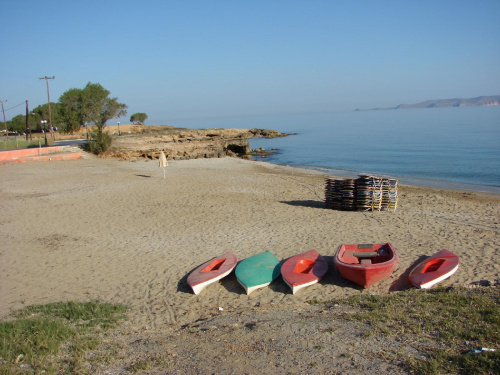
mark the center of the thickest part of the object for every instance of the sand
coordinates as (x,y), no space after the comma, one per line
(117,231)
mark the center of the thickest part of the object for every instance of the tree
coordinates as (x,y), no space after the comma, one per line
(70,111)
(98,107)
(42,113)
(93,105)
(139,118)
(17,124)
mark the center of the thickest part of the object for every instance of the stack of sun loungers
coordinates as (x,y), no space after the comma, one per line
(339,193)
(366,193)
(389,194)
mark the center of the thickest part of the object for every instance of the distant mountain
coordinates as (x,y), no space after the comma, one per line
(443,103)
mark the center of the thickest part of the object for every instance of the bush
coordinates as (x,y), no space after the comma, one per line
(100,143)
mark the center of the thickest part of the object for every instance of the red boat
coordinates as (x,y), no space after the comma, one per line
(211,271)
(366,264)
(434,269)
(304,270)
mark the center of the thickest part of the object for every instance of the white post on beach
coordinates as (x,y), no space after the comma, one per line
(162,162)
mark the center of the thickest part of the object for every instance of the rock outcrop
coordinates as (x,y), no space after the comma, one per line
(181,144)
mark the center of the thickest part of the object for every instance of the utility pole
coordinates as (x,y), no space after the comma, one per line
(28,130)
(4,122)
(48,98)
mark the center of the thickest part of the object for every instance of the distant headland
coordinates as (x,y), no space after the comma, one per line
(480,101)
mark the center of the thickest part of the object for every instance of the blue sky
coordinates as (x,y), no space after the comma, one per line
(194,59)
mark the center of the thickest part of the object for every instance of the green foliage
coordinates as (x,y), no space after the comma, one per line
(71,112)
(42,113)
(76,107)
(98,107)
(139,118)
(101,141)
(54,338)
(18,123)
(92,105)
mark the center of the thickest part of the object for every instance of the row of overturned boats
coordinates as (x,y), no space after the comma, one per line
(363,264)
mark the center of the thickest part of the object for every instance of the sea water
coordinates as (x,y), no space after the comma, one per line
(446,147)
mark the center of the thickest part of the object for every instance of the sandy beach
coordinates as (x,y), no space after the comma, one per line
(117,231)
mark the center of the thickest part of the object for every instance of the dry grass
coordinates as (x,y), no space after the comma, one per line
(444,324)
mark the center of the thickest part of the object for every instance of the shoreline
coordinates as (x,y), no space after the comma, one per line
(132,129)
(411,181)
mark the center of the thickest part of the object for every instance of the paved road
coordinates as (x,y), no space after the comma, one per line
(72,142)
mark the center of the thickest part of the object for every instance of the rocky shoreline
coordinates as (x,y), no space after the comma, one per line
(184,144)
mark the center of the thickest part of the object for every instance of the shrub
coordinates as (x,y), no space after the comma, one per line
(101,141)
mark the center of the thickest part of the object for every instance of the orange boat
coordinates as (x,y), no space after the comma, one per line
(211,271)
(434,269)
(304,270)
(366,264)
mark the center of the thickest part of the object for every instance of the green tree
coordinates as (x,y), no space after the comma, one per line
(139,118)
(70,111)
(18,123)
(92,105)
(42,113)
(35,121)
(99,107)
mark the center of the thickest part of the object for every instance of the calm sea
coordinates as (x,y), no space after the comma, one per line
(446,147)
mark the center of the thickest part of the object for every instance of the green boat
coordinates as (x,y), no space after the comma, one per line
(258,271)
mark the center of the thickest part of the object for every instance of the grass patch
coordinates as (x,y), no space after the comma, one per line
(54,338)
(13,144)
(89,314)
(444,324)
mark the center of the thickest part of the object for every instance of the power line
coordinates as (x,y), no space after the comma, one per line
(20,104)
